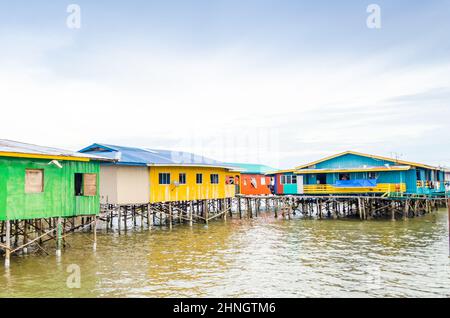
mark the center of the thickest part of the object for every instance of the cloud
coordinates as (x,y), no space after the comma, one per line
(230,103)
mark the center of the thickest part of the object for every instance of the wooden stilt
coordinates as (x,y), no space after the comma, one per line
(8,244)
(170,216)
(206,211)
(191,212)
(239,207)
(119,220)
(58,236)
(406,210)
(149,216)
(25,236)
(94,229)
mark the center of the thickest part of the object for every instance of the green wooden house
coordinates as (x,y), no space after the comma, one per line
(41,182)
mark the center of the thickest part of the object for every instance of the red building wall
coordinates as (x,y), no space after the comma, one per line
(256,187)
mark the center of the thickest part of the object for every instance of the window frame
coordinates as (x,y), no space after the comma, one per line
(212,178)
(197,177)
(164,178)
(182,178)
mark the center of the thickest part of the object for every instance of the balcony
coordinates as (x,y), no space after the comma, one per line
(331,189)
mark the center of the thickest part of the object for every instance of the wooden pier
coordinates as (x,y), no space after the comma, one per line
(25,236)
(168,214)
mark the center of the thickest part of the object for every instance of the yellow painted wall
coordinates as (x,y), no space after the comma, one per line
(191,190)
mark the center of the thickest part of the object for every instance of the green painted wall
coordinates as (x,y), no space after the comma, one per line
(58,198)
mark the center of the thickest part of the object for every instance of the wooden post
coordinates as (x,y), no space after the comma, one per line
(119,212)
(94,228)
(191,212)
(8,244)
(25,236)
(225,207)
(239,207)
(58,237)
(406,210)
(149,216)
(359,209)
(206,211)
(275,208)
(170,216)
(448,207)
(393,210)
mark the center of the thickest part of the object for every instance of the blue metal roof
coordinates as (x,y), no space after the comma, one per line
(252,168)
(134,156)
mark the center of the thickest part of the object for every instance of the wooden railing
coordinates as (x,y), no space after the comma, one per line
(328,188)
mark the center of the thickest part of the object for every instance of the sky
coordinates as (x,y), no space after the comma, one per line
(280,83)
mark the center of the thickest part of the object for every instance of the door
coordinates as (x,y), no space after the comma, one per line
(300,188)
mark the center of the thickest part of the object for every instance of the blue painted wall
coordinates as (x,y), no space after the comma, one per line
(351,161)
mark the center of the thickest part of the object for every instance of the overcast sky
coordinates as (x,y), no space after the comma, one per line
(274,82)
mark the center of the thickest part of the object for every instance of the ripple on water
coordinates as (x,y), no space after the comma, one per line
(262,257)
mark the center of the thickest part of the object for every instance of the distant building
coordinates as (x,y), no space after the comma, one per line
(141,176)
(358,173)
(285,182)
(447,180)
(253,179)
(352,172)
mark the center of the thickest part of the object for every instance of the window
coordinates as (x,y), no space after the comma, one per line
(283,179)
(321,179)
(263,180)
(78,184)
(182,178)
(253,182)
(34,181)
(418,175)
(372,175)
(164,178)
(288,179)
(229,180)
(214,178)
(199,178)
(294,179)
(344,176)
(438,176)
(85,184)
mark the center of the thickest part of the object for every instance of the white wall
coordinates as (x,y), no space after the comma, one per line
(124,185)
(133,185)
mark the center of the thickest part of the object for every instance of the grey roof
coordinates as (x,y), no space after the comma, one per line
(25,148)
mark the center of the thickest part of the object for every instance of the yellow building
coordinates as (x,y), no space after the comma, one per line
(141,176)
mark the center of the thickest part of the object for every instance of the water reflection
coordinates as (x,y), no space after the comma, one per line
(262,257)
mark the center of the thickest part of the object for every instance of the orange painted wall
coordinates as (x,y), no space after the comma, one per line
(247,187)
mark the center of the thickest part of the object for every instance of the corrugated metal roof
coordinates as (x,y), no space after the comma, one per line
(395,161)
(252,168)
(11,147)
(135,156)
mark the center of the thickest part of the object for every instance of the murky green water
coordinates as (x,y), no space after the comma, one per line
(263,257)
